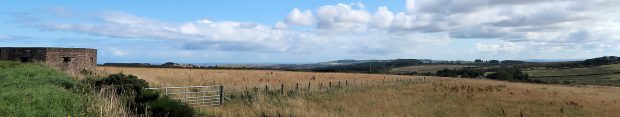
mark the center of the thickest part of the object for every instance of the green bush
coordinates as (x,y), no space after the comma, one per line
(166,107)
(123,84)
(512,74)
(137,98)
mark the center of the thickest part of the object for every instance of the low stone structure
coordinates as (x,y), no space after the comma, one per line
(70,60)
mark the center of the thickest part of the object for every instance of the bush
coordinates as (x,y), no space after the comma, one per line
(465,73)
(137,98)
(166,107)
(124,84)
(509,74)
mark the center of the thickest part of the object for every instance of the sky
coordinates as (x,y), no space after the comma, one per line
(295,31)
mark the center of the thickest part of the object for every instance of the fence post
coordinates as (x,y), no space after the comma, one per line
(221,95)
(308,86)
(166,88)
(346,83)
(339,84)
(282,89)
(296,86)
(330,85)
(185,94)
(266,89)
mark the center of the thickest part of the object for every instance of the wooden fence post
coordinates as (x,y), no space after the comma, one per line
(296,86)
(339,84)
(266,89)
(221,95)
(308,86)
(346,83)
(330,85)
(282,89)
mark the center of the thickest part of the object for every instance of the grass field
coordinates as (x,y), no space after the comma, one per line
(240,79)
(30,90)
(608,75)
(426,68)
(412,96)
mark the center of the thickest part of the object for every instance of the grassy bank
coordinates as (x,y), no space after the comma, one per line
(35,90)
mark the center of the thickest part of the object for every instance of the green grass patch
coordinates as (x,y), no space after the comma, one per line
(37,90)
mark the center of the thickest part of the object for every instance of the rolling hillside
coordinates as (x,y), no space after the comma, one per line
(608,75)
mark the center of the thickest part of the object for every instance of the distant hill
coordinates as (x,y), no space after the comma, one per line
(379,66)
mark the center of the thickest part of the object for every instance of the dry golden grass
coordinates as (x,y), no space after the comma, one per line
(411,97)
(240,79)
(106,103)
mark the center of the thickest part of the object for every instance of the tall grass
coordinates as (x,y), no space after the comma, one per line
(36,90)
(106,103)
(369,96)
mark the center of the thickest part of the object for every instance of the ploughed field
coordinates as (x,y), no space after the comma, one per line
(382,95)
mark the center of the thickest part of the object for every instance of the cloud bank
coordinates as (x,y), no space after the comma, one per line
(520,26)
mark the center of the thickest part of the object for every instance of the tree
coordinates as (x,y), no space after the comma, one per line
(169,64)
(494,62)
(478,61)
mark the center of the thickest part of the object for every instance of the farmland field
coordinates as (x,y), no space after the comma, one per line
(368,95)
(608,75)
(427,68)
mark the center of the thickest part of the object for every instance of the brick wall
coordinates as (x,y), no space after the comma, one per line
(70,60)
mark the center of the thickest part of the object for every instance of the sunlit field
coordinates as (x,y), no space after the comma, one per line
(383,95)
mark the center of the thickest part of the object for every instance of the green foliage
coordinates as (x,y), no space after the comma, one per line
(124,84)
(605,60)
(166,107)
(465,73)
(36,90)
(506,73)
(374,67)
(137,98)
(493,61)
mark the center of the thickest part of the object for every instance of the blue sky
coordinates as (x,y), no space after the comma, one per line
(226,31)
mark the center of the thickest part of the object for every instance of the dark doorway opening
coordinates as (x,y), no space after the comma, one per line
(24,59)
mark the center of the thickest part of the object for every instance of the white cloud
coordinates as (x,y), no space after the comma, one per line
(345,17)
(118,52)
(546,25)
(499,48)
(297,17)
(383,17)
(410,5)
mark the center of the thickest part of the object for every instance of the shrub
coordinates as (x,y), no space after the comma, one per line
(124,84)
(136,98)
(166,107)
(509,74)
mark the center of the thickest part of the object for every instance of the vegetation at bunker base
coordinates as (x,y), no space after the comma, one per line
(141,102)
(36,90)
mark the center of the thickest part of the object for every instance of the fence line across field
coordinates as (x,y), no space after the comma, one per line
(195,95)
(213,95)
